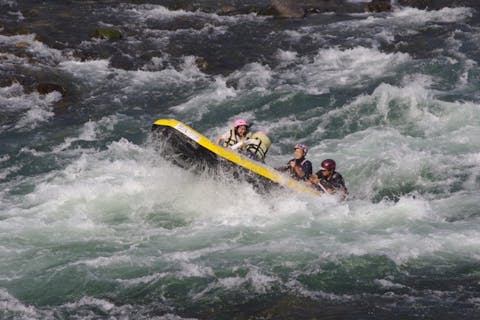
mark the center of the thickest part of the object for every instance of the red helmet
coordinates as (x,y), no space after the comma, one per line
(301,147)
(328,164)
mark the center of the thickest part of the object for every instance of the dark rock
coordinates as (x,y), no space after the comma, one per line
(7,82)
(22,31)
(32,13)
(336,6)
(420,4)
(184,5)
(201,63)
(46,88)
(226,10)
(290,8)
(124,62)
(40,38)
(378,6)
(231,11)
(107,33)
(22,44)
(438,4)
(287,9)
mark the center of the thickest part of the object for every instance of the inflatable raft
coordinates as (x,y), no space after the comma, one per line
(189,149)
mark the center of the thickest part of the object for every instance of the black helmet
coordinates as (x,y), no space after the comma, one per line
(328,164)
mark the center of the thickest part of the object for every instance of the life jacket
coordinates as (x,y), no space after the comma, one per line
(259,148)
(293,174)
(233,138)
(336,183)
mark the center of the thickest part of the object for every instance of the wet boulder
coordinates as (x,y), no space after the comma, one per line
(107,34)
(336,6)
(201,63)
(226,10)
(231,11)
(420,4)
(46,88)
(22,44)
(438,4)
(286,9)
(378,6)
(183,5)
(7,82)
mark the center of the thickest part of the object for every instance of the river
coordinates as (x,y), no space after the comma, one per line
(95,225)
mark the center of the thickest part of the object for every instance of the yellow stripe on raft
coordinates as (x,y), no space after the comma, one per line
(237,158)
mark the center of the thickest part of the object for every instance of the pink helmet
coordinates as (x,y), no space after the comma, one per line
(301,147)
(240,122)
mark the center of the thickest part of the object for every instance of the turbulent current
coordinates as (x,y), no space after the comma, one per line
(95,225)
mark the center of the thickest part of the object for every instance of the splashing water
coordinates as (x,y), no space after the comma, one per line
(93,224)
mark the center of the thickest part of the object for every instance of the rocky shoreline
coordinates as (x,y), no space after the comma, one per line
(298,9)
(282,9)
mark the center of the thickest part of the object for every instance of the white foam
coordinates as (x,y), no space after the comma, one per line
(194,270)
(422,112)
(286,56)
(195,108)
(39,113)
(95,73)
(183,270)
(33,107)
(106,261)
(143,13)
(253,77)
(387,284)
(169,316)
(9,60)
(144,279)
(96,70)
(334,67)
(90,131)
(6,172)
(82,201)
(156,12)
(11,97)
(398,120)
(34,47)
(351,66)
(188,73)
(93,308)
(10,3)
(303,290)
(254,279)
(102,304)
(411,17)
(10,304)
(112,195)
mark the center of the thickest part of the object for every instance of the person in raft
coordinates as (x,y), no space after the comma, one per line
(257,146)
(237,135)
(299,167)
(327,180)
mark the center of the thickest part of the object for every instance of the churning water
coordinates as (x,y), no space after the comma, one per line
(93,224)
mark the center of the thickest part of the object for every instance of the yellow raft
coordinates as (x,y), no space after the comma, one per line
(191,150)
